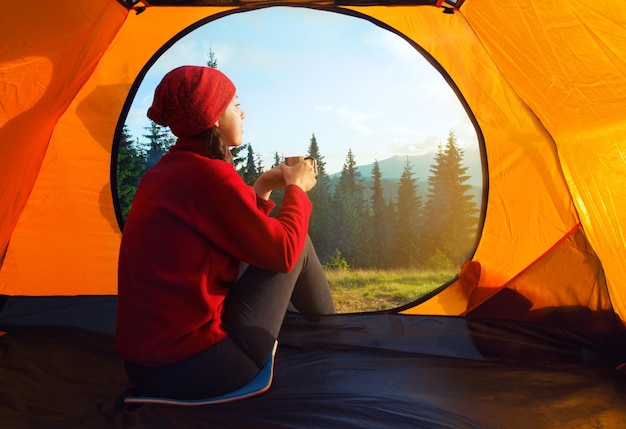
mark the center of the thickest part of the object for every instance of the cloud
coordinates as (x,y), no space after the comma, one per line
(403,131)
(415,146)
(359,122)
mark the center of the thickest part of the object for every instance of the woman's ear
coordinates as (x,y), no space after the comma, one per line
(217,124)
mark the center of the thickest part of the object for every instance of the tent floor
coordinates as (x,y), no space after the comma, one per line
(345,371)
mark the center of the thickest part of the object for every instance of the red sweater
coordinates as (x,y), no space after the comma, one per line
(192,221)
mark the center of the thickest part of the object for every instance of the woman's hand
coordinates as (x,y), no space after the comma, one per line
(268,181)
(302,174)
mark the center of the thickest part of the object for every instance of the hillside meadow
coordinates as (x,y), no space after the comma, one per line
(374,290)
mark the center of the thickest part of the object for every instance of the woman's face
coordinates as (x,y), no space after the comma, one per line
(230,123)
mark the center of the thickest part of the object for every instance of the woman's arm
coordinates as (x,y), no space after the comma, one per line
(268,181)
(302,175)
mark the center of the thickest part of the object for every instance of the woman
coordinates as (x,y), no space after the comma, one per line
(188,324)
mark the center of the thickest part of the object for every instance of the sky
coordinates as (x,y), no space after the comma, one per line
(301,72)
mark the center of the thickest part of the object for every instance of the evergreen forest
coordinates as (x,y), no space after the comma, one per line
(357,222)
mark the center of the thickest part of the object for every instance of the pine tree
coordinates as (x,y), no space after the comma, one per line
(435,207)
(350,216)
(240,157)
(392,221)
(450,212)
(277,194)
(406,235)
(277,160)
(159,141)
(320,225)
(260,168)
(249,171)
(462,232)
(130,168)
(212,61)
(380,220)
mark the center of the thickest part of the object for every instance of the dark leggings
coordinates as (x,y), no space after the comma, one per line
(253,313)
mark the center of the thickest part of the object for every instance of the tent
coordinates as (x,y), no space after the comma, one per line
(531,332)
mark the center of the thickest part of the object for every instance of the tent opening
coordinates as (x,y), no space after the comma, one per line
(398,204)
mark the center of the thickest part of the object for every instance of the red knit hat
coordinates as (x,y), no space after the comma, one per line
(190,99)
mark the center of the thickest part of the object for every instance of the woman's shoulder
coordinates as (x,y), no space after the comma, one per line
(192,162)
(190,170)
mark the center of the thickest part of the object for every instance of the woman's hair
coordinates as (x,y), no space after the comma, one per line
(215,146)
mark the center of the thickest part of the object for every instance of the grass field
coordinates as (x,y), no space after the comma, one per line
(371,290)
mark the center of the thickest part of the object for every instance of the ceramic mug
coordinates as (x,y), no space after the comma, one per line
(293,160)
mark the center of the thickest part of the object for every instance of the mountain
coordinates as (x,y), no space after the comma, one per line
(392,168)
